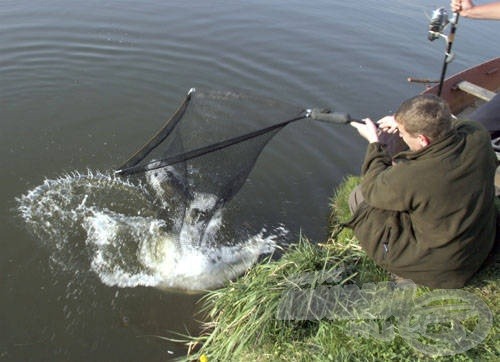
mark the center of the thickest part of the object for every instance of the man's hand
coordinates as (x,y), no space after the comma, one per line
(368,130)
(388,124)
(459,5)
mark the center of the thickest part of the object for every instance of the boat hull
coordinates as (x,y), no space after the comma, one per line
(485,75)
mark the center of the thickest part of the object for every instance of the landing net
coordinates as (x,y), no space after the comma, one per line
(208,148)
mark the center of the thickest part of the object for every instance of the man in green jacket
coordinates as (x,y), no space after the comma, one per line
(427,214)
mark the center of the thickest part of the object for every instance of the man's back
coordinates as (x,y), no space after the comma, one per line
(431,217)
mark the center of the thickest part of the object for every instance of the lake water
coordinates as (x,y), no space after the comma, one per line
(84,83)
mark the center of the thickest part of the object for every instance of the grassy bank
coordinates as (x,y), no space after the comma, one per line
(306,307)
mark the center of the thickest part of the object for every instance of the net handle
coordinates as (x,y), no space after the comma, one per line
(131,166)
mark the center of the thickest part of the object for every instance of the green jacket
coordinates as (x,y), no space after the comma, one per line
(430,217)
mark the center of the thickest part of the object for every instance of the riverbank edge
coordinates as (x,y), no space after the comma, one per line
(249,319)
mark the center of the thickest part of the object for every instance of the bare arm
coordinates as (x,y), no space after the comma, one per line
(470,10)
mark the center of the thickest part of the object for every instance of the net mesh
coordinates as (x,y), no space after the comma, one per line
(230,128)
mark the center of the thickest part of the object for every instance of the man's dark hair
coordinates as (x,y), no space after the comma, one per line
(426,114)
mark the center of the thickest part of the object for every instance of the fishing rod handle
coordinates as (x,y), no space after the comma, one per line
(333,117)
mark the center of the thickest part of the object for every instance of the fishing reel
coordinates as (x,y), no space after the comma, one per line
(439,21)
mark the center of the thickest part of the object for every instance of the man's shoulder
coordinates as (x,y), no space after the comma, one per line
(473,130)
(469,126)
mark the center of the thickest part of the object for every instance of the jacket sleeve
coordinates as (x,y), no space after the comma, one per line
(383,185)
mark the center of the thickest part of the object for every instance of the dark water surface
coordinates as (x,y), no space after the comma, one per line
(84,83)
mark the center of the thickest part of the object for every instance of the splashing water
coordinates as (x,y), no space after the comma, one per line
(111,226)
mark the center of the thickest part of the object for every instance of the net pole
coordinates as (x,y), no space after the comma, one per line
(134,169)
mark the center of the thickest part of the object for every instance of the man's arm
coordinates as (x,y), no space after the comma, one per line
(382,184)
(468,9)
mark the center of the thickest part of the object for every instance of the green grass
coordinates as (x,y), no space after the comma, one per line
(269,314)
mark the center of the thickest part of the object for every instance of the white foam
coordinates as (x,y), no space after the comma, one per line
(127,245)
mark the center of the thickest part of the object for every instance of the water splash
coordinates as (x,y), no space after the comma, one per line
(110,226)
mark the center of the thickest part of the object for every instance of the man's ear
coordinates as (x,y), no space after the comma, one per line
(423,140)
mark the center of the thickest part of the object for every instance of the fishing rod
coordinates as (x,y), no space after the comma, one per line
(438,23)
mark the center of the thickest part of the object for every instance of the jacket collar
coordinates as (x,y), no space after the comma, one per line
(435,147)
